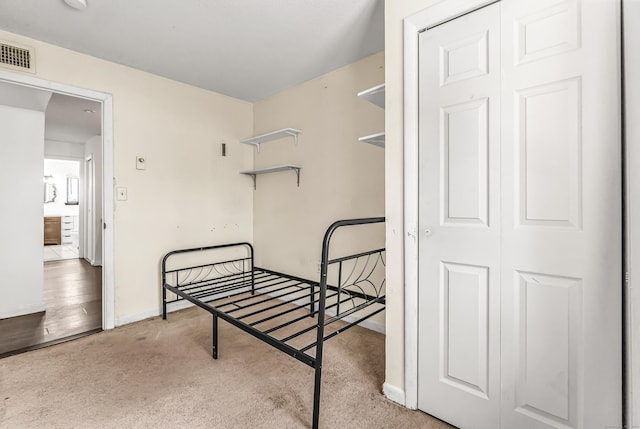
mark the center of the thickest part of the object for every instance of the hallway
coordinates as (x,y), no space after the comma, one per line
(73,300)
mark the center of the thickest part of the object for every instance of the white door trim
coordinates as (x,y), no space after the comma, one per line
(413,26)
(89,220)
(631,10)
(108,293)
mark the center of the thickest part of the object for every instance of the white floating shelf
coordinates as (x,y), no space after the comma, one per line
(374,139)
(254,173)
(274,135)
(375,95)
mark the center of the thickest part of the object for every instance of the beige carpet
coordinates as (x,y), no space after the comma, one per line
(159,373)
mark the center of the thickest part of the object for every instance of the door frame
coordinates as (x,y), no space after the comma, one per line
(89,219)
(631,194)
(450,9)
(108,292)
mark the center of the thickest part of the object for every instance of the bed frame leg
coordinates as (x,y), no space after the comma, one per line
(316,397)
(164,303)
(312,306)
(215,336)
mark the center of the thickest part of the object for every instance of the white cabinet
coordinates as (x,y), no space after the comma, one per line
(69,230)
(66,226)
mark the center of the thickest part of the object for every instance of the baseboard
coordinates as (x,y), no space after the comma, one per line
(22,311)
(393,393)
(367,324)
(132,318)
(171,307)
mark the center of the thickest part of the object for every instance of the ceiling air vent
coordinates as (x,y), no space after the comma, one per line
(17,57)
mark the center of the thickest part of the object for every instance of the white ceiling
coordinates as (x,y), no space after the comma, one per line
(72,119)
(24,97)
(247,49)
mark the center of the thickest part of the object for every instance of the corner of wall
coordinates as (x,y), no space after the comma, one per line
(394,393)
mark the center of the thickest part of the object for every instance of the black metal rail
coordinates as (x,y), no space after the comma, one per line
(293,314)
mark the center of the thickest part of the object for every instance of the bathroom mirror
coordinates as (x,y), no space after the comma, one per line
(72,191)
(50,190)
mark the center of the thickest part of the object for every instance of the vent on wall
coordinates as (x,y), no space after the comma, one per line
(17,57)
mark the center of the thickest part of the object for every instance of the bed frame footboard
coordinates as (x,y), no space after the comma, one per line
(324,285)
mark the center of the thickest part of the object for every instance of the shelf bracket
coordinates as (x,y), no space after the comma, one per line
(295,138)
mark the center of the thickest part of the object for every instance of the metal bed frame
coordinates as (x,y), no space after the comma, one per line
(272,306)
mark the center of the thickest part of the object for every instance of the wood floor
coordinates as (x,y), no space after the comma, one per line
(73,301)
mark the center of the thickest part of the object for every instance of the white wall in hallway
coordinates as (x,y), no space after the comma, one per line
(93,150)
(63,150)
(21,220)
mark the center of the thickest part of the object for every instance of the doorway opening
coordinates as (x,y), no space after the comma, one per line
(61,209)
(77,291)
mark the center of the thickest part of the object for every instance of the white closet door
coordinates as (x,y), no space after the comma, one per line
(561,230)
(519,215)
(459,206)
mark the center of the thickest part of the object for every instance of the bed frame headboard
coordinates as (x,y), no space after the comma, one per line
(215,276)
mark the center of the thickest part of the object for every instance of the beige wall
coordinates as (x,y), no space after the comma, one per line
(395,12)
(189,195)
(340,177)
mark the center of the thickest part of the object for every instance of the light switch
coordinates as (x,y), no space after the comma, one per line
(141,163)
(121,193)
